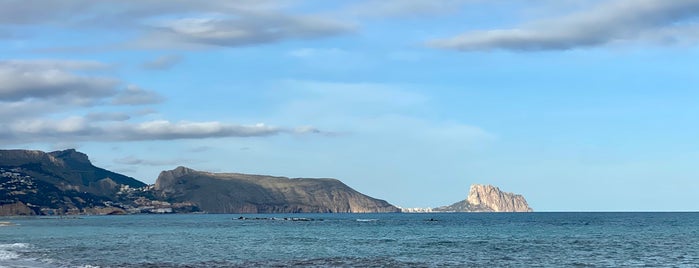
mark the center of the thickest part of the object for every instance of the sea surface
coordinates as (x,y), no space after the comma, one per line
(355,240)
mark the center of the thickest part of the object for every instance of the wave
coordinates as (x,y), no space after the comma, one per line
(11,255)
(9,251)
(367,220)
(8,255)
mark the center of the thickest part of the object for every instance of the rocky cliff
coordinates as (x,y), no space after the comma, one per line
(488,198)
(243,193)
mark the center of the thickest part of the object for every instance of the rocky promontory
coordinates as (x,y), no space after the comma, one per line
(66,182)
(61,182)
(488,198)
(244,193)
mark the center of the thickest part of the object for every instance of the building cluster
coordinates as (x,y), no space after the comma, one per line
(13,182)
(16,186)
(416,210)
(142,200)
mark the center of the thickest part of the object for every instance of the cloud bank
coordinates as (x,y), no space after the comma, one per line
(405,8)
(21,80)
(35,93)
(657,21)
(33,87)
(242,30)
(176,24)
(81,129)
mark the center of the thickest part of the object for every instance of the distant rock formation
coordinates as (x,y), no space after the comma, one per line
(488,198)
(243,193)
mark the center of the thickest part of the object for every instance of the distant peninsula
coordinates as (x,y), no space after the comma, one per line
(243,193)
(66,183)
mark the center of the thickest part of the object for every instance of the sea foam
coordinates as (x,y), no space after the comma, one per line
(8,251)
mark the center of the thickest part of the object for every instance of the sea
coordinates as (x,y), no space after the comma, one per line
(354,240)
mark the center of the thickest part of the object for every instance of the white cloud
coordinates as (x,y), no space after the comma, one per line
(107,116)
(131,160)
(226,23)
(21,80)
(400,8)
(609,22)
(29,88)
(36,95)
(163,62)
(166,130)
(241,30)
(111,13)
(50,128)
(134,95)
(81,129)
(30,108)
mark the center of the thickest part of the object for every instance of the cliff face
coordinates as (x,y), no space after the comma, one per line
(243,193)
(488,198)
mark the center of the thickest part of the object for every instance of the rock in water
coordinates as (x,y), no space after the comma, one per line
(243,193)
(488,198)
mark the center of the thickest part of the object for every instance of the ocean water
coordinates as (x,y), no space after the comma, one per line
(355,240)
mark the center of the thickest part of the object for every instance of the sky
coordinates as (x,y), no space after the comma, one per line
(577,105)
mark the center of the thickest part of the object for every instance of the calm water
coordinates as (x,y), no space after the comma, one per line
(356,240)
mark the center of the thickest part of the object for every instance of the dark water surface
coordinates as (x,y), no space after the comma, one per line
(356,240)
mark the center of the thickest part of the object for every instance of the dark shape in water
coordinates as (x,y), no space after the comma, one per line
(277,219)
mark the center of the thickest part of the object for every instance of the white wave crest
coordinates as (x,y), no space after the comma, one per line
(7,253)
(14,245)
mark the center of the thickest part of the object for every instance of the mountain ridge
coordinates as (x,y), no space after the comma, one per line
(248,193)
(34,182)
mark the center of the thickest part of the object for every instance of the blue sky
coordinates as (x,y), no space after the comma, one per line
(577,105)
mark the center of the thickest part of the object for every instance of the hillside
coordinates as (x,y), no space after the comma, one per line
(243,193)
(66,182)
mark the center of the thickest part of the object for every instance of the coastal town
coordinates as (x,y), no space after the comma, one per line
(21,192)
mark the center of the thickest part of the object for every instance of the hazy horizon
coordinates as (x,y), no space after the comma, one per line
(576,105)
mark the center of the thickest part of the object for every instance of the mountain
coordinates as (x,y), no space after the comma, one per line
(488,198)
(66,182)
(243,193)
(67,170)
(35,182)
